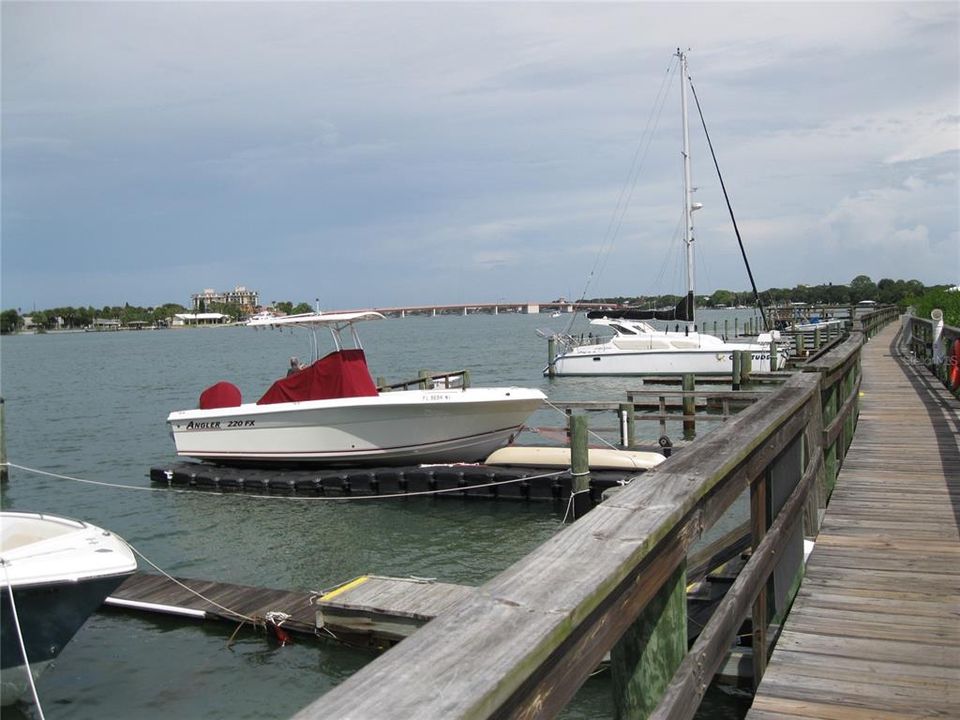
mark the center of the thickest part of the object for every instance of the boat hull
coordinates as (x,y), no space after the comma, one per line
(59,571)
(49,614)
(414,426)
(604,360)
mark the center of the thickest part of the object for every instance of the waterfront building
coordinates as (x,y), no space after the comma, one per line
(246,300)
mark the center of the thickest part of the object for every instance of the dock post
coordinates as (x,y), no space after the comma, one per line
(579,466)
(801,351)
(466,379)
(737,361)
(746,367)
(551,356)
(4,473)
(736,327)
(425,383)
(689,406)
(816,338)
(725,330)
(650,651)
(774,360)
(627,425)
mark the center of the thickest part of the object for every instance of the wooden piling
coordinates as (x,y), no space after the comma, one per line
(579,466)
(746,367)
(4,473)
(737,360)
(689,406)
(425,382)
(551,356)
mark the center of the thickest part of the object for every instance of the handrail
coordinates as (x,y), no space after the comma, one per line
(522,644)
(937,356)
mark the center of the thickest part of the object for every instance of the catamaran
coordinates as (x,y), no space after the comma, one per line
(639,348)
(332,412)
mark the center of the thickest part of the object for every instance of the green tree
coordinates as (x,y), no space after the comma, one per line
(862,288)
(10,321)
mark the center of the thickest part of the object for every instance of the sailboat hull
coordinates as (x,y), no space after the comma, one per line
(606,360)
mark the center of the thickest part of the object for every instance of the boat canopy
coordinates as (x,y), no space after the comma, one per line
(336,320)
(341,374)
(682,312)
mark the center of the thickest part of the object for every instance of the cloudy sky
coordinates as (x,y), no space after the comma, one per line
(377,154)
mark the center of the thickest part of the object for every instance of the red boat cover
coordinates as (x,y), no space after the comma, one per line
(340,374)
(221,395)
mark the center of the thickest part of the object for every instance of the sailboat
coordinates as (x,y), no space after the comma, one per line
(639,348)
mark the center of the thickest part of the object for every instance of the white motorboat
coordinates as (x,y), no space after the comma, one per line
(58,572)
(639,348)
(332,412)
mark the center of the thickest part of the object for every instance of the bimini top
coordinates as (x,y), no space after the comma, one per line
(316,319)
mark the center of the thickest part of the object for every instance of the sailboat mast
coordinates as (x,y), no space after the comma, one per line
(688,206)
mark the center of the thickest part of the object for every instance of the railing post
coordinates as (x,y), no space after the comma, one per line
(816,339)
(758,528)
(650,651)
(425,383)
(579,466)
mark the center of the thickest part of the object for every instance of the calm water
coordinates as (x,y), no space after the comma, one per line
(92,406)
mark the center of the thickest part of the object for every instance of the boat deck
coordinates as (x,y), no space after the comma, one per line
(875,629)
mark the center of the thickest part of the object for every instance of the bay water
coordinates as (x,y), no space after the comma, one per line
(91,406)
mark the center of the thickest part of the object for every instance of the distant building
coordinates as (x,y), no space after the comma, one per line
(246,300)
(184,319)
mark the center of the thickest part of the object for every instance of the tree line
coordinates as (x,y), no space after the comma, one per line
(885,292)
(77,318)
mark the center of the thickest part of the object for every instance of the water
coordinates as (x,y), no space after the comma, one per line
(92,406)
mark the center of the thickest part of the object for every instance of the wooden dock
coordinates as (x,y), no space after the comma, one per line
(875,628)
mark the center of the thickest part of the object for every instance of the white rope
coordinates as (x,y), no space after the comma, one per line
(300,498)
(170,577)
(23,648)
(591,432)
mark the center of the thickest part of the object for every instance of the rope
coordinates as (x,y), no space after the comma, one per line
(589,431)
(238,615)
(23,648)
(301,498)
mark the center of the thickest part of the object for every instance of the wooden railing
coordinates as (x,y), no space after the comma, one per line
(614,581)
(939,356)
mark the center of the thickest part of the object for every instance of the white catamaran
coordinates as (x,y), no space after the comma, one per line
(639,348)
(332,412)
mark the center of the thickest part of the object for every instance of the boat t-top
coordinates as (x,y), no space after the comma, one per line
(332,412)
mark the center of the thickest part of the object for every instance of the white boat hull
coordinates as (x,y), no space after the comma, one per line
(415,426)
(58,571)
(607,359)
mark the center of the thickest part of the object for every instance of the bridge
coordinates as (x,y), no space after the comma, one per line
(866,629)
(526,308)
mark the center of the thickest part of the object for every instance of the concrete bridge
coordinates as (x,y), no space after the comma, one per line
(526,308)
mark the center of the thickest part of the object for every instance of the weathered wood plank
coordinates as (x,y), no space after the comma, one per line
(875,628)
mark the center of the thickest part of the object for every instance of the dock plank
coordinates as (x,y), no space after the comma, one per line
(875,628)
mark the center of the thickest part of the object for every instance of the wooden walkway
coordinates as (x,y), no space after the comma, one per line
(875,629)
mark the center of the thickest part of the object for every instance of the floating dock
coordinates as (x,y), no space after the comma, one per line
(463,480)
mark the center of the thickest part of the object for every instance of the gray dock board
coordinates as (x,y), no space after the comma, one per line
(875,628)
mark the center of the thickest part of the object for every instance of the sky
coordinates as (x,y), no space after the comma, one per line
(384,154)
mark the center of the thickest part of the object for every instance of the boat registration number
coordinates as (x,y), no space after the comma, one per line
(436,397)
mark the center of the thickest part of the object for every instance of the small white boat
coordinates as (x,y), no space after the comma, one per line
(332,412)
(59,571)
